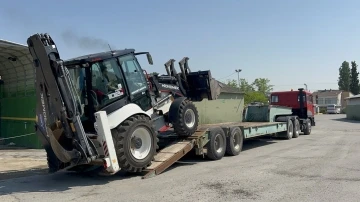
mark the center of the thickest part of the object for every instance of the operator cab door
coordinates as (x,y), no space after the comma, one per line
(136,82)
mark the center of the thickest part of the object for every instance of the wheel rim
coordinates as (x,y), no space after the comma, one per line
(291,131)
(140,143)
(297,128)
(236,141)
(189,118)
(218,143)
(309,126)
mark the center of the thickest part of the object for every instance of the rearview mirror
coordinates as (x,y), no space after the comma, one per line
(149,58)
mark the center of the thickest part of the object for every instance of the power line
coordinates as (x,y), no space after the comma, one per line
(226,76)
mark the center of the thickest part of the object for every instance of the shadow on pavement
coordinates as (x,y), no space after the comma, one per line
(63,181)
(346,120)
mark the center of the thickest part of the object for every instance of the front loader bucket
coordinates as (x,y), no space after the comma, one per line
(202,85)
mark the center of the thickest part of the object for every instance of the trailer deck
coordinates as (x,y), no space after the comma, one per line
(176,148)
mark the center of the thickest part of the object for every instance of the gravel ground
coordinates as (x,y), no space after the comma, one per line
(18,162)
(323,166)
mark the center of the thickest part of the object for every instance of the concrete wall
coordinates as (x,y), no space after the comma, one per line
(227,108)
(353,109)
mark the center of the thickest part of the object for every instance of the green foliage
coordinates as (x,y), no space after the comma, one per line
(232,83)
(254,92)
(262,85)
(245,86)
(354,76)
(255,96)
(344,77)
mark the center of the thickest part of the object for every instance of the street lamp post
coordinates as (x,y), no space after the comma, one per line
(238,72)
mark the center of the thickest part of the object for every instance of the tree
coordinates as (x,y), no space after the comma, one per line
(255,92)
(354,76)
(245,86)
(344,76)
(255,96)
(232,83)
(262,85)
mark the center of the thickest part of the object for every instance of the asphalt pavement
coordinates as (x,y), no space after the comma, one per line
(323,166)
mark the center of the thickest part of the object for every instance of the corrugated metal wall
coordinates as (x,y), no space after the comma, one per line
(18,118)
(17,96)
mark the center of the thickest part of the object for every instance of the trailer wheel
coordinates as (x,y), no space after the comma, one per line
(135,142)
(307,129)
(288,134)
(234,141)
(184,117)
(217,144)
(296,128)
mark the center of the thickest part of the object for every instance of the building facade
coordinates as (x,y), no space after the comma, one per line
(322,98)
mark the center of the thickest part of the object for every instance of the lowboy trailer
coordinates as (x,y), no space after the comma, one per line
(219,139)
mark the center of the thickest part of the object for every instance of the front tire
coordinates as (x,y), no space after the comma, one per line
(135,143)
(307,129)
(184,117)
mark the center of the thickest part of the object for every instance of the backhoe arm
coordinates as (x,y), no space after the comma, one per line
(58,110)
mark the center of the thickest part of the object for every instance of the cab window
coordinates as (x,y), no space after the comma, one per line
(134,76)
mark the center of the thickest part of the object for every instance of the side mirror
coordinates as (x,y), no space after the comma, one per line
(149,58)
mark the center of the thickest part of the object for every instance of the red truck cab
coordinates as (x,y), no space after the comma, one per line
(300,101)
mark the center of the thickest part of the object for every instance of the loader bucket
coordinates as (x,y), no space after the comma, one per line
(202,85)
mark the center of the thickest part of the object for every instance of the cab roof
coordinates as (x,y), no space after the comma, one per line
(290,92)
(97,56)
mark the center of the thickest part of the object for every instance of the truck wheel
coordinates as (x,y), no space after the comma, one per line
(135,143)
(184,117)
(234,142)
(307,129)
(217,144)
(288,134)
(296,128)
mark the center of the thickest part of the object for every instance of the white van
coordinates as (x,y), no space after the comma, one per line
(333,109)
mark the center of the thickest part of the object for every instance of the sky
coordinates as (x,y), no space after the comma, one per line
(290,42)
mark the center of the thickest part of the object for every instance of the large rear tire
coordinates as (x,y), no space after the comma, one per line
(216,146)
(234,142)
(135,143)
(184,117)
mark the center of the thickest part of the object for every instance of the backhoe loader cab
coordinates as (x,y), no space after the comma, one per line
(102,109)
(108,81)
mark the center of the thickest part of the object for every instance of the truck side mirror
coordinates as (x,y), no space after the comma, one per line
(149,58)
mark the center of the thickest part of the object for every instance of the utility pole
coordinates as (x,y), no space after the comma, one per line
(238,72)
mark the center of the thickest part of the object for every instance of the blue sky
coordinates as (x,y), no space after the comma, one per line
(290,42)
